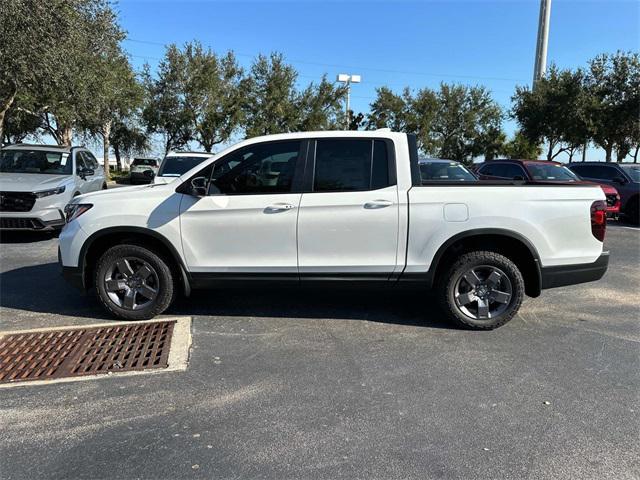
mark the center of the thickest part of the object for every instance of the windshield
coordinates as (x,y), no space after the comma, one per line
(35,161)
(633,171)
(144,161)
(176,166)
(441,171)
(551,173)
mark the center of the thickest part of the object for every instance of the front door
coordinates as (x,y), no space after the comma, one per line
(348,223)
(247,223)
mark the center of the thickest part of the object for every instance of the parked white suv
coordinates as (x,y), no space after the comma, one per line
(175,164)
(37,181)
(327,207)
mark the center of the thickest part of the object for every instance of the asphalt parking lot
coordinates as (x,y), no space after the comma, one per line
(329,385)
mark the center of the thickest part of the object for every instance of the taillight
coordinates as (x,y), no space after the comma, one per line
(599,219)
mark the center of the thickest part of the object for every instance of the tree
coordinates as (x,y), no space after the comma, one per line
(521,148)
(390,110)
(357,121)
(613,83)
(165,112)
(319,106)
(18,124)
(127,139)
(270,97)
(467,122)
(212,94)
(554,112)
(34,37)
(116,96)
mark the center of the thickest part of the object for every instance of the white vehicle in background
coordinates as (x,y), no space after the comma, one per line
(177,163)
(37,181)
(143,170)
(334,207)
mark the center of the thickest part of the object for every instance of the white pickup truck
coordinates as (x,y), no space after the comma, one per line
(325,207)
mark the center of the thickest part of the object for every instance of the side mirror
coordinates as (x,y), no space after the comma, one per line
(619,180)
(199,186)
(85,172)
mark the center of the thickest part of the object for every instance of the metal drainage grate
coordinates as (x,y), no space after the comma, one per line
(84,351)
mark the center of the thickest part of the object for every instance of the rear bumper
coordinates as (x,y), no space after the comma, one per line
(563,275)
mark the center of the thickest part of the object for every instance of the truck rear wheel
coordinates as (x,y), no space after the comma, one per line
(482,290)
(133,282)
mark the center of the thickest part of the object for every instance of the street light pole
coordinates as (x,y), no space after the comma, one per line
(540,66)
(348,80)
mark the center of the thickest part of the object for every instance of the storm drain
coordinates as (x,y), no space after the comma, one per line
(68,353)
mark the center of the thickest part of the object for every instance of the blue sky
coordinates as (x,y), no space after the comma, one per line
(394,43)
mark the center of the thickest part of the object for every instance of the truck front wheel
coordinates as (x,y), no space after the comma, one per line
(133,283)
(482,290)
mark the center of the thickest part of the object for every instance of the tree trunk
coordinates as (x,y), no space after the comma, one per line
(584,151)
(66,136)
(635,155)
(608,149)
(550,151)
(116,151)
(3,111)
(106,131)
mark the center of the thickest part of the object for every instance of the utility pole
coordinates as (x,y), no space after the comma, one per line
(540,66)
(348,80)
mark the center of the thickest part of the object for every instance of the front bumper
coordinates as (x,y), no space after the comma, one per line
(562,275)
(73,275)
(32,223)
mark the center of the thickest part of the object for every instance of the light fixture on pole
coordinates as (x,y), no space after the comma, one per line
(348,80)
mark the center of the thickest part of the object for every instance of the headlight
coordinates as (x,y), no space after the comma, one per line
(74,210)
(47,193)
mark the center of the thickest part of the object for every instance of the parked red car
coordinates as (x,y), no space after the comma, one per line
(542,171)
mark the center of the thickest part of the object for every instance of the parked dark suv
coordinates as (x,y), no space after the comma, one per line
(624,176)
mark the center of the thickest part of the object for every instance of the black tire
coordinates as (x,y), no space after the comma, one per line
(104,186)
(161,280)
(632,212)
(455,278)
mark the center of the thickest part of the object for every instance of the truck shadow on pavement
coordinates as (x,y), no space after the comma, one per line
(41,289)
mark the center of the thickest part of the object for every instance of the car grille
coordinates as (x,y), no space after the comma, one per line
(16,201)
(612,199)
(21,223)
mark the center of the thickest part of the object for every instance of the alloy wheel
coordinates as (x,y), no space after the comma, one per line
(131,283)
(483,292)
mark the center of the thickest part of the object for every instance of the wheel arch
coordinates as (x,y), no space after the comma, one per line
(101,240)
(507,242)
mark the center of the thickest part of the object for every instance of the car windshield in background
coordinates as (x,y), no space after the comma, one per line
(147,162)
(551,173)
(176,166)
(442,171)
(633,171)
(35,161)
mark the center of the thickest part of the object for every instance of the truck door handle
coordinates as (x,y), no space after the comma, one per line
(377,204)
(279,207)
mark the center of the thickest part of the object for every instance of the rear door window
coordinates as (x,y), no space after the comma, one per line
(351,165)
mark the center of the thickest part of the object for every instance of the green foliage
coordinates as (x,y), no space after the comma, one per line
(455,122)
(554,112)
(212,94)
(164,111)
(521,148)
(270,97)
(613,109)
(319,107)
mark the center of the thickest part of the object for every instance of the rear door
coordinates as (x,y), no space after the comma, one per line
(348,219)
(246,225)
